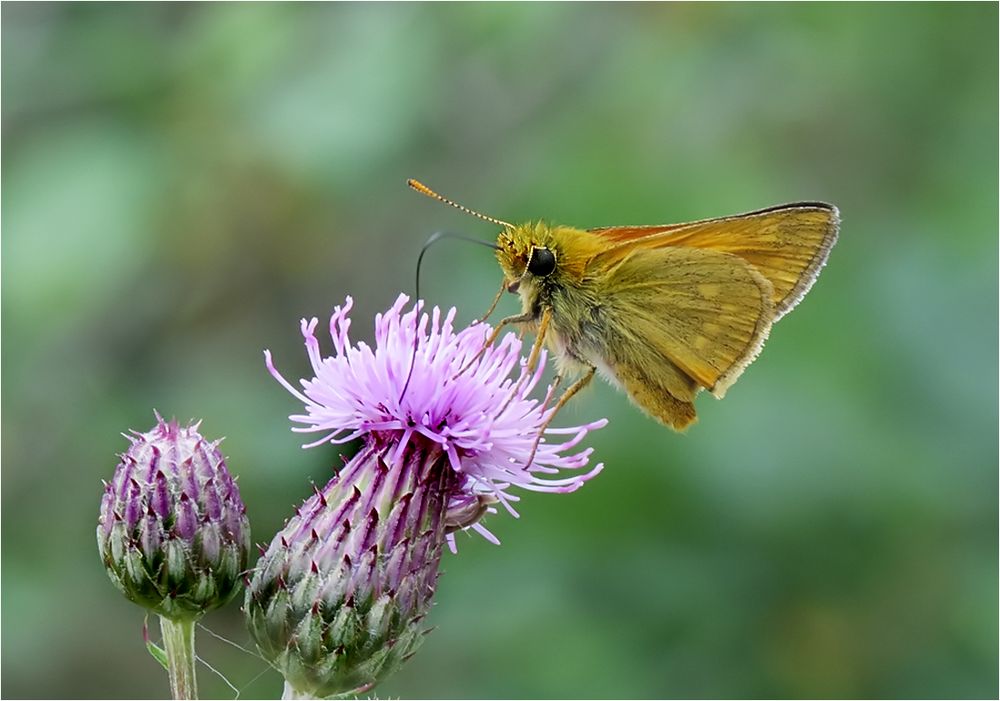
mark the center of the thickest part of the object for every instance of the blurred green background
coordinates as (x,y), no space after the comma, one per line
(182,183)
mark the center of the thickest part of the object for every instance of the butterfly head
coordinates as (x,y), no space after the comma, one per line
(528,255)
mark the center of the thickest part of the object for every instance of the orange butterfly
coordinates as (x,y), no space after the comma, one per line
(661,311)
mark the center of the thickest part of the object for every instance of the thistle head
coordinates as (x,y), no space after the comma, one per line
(474,405)
(338,599)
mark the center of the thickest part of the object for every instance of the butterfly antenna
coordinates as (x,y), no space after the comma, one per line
(431,240)
(424,190)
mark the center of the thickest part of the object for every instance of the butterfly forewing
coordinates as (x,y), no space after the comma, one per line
(788,244)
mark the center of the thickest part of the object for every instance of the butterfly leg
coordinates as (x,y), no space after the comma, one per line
(536,350)
(516,319)
(566,396)
(496,301)
(556,381)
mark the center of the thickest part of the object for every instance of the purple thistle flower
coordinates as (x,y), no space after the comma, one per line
(484,421)
(337,599)
(173,532)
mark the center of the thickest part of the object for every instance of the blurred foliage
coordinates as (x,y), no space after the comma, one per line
(183,182)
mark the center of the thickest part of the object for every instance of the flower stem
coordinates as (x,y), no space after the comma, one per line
(291,693)
(178,639)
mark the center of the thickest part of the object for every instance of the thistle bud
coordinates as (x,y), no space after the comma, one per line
(173,532)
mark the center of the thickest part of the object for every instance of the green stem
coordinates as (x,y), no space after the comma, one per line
(290,693)
(178,639)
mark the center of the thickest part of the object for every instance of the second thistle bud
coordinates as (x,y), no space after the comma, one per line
(173,532)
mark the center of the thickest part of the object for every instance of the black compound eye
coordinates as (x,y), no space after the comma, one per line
(542,261)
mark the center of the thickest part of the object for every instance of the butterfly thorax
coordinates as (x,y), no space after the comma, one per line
(564,286)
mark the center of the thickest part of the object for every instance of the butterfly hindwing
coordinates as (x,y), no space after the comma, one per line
(684,319)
